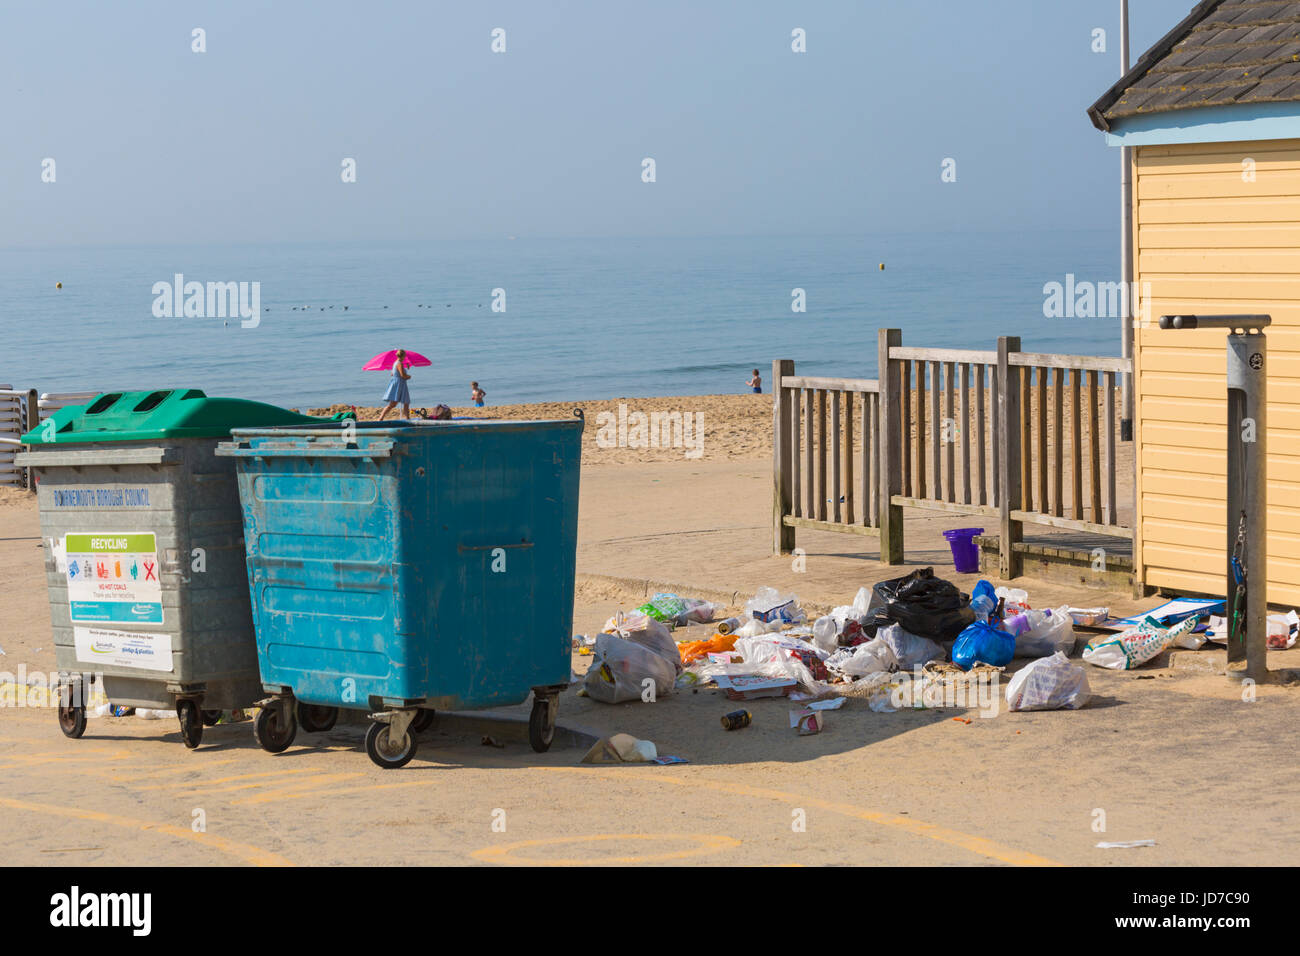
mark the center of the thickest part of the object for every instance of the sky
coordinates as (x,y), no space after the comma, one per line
(155,143)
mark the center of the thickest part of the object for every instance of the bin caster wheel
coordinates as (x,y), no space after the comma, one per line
(423,721)
(385,754)
(541,725)
(211,718)
(272,732)
(187,712)
(317,718)
(72,721)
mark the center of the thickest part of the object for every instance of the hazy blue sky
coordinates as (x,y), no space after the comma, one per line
(156,143)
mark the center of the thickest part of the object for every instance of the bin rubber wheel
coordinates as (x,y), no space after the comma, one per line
(211,718)
(72,721)
(423,720)
(187,712)
(377,746)
(270,731)
(541,726)
(317,718)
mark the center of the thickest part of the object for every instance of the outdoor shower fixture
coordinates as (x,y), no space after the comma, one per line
(1247,556)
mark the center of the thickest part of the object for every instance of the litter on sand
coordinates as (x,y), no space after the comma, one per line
(806,721)
(621,748)
(1125,845)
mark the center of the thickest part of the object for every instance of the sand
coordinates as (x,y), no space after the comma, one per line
(733,426)
(1163,751)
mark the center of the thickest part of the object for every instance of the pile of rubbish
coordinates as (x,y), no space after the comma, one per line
(913,641)
(882,648)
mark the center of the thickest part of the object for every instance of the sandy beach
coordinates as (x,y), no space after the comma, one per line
(879,786)
(734,427)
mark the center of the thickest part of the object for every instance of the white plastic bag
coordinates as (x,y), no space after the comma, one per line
(620,666)
(1088,616)
(1049,632)
(1050,683)
(857,611)
(772,606)
(1136,646)
(695,611)
(756,628)
(1017,600)
(873,657)
(826,634)
(910,650)
(654,636)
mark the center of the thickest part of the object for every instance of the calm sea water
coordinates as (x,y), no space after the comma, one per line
(584,319)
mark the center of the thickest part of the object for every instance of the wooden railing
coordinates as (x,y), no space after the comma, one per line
(971,432)
(18,413)
(826,465)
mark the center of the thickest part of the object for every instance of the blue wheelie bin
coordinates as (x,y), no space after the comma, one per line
(402,568)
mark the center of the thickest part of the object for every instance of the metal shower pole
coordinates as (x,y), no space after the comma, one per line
(1247,498)
(1126,249)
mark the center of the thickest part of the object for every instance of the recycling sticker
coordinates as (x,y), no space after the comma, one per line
(114,578)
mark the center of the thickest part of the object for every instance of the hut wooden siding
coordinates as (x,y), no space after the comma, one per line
(1208,241)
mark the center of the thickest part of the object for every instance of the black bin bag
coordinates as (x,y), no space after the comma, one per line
(923,604)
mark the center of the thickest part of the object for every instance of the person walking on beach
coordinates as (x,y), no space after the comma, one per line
(397,389)
(756,383)
(477,394)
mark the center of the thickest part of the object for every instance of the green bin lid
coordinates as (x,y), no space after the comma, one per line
(165,413)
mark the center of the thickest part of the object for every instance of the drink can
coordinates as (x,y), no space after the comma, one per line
(736,719)
(729,626)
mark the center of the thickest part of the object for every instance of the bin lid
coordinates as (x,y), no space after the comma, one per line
(160,414)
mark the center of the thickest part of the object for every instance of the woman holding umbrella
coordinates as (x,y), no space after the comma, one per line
(397,389)
(400,361)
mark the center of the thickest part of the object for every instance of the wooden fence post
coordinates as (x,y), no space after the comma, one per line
(892,447)
(31,419)
(1008,449)
(783,454)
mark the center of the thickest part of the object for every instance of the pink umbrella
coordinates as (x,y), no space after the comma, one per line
(386,360)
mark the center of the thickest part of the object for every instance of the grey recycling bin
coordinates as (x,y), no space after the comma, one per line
(144,553)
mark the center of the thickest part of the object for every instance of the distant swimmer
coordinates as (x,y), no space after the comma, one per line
(756,383)
(477,394)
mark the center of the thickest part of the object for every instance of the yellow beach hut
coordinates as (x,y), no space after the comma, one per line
(1212,114)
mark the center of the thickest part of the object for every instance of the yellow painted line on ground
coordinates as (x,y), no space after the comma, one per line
(299,789)
(292,788)
(193,768)
(965,841)
(211,784)
(244,851)
(505,852)
(61,758)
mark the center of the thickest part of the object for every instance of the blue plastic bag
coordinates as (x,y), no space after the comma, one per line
(981,642)
(983,600)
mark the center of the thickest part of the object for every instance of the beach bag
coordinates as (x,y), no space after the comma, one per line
(1136,646)
(923,604)
(1051,683)
(981,643)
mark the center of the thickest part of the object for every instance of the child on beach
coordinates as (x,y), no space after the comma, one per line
(477,394)
(397,388)
(756,383)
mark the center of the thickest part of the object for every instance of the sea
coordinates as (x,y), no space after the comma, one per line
(533,319)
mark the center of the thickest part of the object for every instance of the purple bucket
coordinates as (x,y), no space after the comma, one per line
(965,554)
